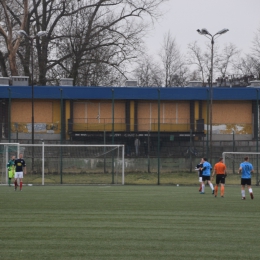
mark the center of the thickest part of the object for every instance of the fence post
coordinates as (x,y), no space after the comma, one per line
(113,132)
(104,151)
(61,133)
(148,151)
(9,116)
(207,123)
(190,152)
(158,152)
(257,135)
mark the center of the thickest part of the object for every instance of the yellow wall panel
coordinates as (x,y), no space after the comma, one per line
(67,116)
(183,112)
(79,112)
(154,111)
(232,112)
(106,112)
(21,111)
(144,116)
(196,110)
(98,113)
(119,113)
(170,113)
(92,115)
(143,110)
(56,113)
(132,115)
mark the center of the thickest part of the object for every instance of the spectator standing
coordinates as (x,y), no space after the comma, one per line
(137,146)
(145,147)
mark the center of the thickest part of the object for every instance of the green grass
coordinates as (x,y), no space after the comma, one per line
(127,222)
(185,178)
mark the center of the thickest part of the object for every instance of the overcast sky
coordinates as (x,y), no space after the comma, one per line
(183,17)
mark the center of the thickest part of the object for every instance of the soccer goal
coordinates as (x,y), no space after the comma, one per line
(233,160)
(6,151)
(68,164)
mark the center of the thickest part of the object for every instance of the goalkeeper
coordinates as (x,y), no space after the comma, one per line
(10,167)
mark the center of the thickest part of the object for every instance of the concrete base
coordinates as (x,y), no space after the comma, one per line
(37,137)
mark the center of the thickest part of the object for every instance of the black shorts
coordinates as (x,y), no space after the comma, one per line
(205,178)
(245,181)
(220,178)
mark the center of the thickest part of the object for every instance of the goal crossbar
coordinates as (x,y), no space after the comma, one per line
(224,154)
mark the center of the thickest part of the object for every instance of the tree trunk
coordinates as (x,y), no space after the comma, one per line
(12,63)
(3,65)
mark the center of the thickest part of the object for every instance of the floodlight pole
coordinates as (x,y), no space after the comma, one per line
(32,68)
(257,135)
(211,99)
(206,33)
(31,39)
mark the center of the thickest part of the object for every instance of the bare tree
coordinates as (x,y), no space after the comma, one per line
(14,18)
(226,59)
(197,58)
(173,65)
(148,73)
(88,28)
(248,66)
(254,58)
(223,60)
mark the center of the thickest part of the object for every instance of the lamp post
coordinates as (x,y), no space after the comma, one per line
(31,39)
(206,33)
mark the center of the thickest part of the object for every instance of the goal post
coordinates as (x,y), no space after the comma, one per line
(6,151)
(234,159)
(73,164)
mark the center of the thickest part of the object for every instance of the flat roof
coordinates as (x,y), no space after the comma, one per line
(128,93)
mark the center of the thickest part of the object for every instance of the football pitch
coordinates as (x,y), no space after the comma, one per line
(128,222)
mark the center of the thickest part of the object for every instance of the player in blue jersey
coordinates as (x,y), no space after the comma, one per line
(246,168)
(206,171)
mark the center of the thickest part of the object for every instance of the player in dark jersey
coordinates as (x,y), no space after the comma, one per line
(20,169)
(199,169)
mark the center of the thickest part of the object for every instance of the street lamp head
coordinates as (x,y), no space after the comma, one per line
(222,31)
(41,33)
(205,31)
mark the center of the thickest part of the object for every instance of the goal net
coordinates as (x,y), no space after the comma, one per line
(67,164)
(234,159)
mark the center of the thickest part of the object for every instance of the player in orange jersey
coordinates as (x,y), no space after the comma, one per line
(220,171)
